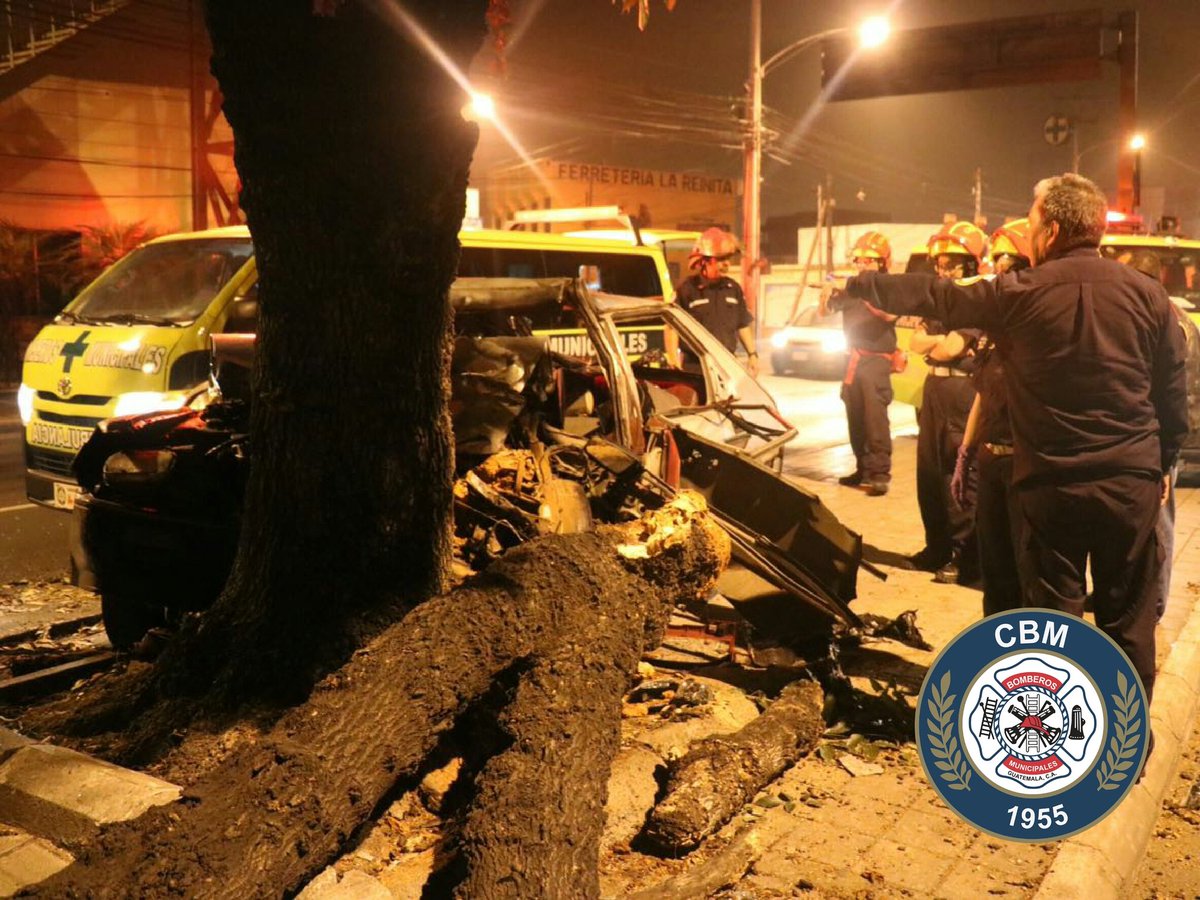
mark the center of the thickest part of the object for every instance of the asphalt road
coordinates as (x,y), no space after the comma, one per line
(815,408)
(33,540)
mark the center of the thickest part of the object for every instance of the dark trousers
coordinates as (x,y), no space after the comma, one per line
(1112,522)
(867,397)
(998,532)
(943,418)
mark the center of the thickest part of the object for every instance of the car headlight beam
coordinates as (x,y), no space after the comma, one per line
(25,403)
(137,402)
(834,342)
(783,337)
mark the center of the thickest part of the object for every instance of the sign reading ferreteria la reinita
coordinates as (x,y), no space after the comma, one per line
(632,177)
(662,198)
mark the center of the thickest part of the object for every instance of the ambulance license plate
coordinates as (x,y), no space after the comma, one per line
(65,494)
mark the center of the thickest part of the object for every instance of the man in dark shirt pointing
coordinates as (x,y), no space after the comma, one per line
(1097,401)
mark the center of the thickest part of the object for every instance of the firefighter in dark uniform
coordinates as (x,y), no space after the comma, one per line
(987,448)
(949,549)
(715,300)
(1097,399)
(867,386)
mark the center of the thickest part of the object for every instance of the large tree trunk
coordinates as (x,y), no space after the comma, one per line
(279,809)
(353,158)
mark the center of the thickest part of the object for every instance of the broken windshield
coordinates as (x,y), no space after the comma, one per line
(170,283)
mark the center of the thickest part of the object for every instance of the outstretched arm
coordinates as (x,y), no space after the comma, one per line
(968,303)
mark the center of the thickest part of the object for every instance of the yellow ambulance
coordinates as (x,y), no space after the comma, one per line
(137,339)
(1175,261)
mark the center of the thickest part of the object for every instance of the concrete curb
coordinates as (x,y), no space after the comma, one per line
(1099,863)
(65,796)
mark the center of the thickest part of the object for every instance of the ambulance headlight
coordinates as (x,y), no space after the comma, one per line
(138,466)
(834,342)
(25,403)
(137,402)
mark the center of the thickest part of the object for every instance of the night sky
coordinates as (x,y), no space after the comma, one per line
(581,65)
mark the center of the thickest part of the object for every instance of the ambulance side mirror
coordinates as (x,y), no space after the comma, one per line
(243,316)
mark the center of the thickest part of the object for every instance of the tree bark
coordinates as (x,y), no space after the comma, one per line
(353,159)
(718,775)
(535,825)
(275,813)
(721,870)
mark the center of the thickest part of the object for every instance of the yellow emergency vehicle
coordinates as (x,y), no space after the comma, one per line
(1173,260)
(138,338)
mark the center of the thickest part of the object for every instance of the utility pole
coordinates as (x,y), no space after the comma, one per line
(196,109)
(751,212)
(1127,161)
(978,192)
(812,251)
(830,203)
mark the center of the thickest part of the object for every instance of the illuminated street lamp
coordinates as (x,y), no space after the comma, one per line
(871,33)
(874,31)
(479,108)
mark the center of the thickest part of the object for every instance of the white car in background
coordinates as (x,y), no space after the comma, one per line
(812,347)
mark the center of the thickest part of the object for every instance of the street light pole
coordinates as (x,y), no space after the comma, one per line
(873,33)
(1137,144)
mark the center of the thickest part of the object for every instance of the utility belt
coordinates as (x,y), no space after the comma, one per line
(947,372)
(897,360)
(999,449)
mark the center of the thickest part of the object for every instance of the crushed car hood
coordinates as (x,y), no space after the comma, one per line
(799,557)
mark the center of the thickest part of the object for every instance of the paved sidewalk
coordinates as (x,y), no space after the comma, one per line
(899,838)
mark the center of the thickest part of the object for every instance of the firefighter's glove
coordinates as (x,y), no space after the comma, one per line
(962,481)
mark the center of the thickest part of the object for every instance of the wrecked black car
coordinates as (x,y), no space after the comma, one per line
(545,442)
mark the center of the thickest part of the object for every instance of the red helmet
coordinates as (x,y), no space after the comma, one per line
(872,245)
(715,243)
(961,238)
(1011,239)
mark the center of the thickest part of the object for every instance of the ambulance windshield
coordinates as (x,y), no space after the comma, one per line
(1176,267)
(171,283)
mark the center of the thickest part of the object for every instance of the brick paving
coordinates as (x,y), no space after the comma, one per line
(890,834)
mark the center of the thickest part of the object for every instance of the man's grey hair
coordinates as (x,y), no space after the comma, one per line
(1078,206)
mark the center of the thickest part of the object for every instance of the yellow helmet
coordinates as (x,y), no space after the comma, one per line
(1011,239)
(962,238)
(872,245)
(715,243)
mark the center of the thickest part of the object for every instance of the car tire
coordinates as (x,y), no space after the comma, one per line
(780,365)
(127,619)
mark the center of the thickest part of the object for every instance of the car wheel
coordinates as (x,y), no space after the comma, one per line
(127,619)
(780,364)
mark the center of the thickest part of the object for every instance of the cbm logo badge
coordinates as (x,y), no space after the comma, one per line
(1032,725)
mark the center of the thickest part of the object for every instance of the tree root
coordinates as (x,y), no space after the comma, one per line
(277,811)
(719,775)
